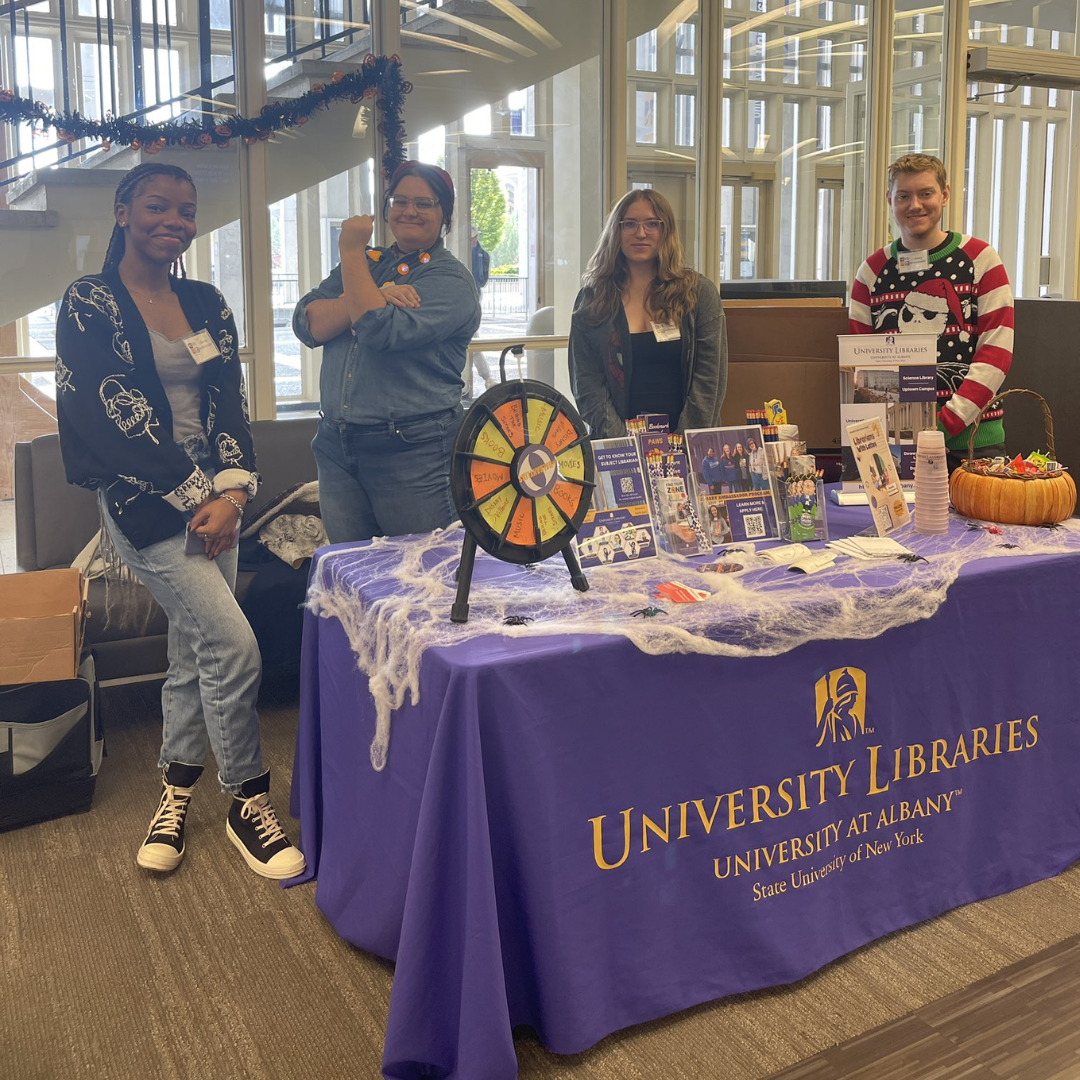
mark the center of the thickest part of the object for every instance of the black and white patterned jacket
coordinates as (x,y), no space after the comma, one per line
(114,417)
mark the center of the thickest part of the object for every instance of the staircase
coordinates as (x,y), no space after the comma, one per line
(59,219)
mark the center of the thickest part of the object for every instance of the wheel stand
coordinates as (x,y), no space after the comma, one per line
(459,613)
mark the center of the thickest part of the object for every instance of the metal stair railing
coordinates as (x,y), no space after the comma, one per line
(155,27)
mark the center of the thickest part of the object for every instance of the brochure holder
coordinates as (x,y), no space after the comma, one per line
(800,503)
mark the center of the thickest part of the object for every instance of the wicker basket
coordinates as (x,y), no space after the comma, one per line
(1009,497)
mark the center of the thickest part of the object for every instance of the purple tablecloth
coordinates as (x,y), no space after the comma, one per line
(578,837)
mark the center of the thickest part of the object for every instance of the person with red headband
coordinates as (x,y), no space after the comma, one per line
(395,324)
(930,281)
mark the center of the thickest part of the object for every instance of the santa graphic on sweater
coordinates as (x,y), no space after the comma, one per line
(929,308)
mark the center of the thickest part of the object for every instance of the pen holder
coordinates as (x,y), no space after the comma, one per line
(800,509)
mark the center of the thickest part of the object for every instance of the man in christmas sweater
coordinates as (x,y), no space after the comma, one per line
(936,282)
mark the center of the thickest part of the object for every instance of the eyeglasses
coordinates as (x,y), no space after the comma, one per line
(399,202)
(651,225)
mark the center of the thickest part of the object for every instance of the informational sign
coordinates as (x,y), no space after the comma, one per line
(877,469)
(892,377)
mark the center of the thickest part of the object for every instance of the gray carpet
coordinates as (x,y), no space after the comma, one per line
(107,971)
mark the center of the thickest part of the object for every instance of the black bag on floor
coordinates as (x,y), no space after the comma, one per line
(51,744)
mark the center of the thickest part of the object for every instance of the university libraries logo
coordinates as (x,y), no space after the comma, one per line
(841,705)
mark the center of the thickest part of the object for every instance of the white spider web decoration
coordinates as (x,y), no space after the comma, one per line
(761,611)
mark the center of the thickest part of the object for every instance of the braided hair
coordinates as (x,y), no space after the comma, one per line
(126,191)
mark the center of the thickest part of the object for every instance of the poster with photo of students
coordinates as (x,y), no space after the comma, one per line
(729,469)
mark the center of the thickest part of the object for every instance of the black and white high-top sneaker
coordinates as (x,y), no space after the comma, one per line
(163,847)
(253,827)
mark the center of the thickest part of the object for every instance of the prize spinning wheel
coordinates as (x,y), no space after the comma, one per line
(522,479)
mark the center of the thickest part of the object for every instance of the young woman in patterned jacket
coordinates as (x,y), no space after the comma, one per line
(152,416)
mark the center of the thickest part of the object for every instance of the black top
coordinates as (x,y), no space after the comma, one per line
(656,381)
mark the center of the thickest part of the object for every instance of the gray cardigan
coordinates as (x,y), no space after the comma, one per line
(601,363)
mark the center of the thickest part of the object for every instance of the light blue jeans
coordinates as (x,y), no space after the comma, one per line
(386,479)
(214,663)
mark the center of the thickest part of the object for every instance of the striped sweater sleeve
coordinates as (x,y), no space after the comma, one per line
(994,330)
(860,318)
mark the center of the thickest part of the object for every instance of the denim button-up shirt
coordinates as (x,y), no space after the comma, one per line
(397,363)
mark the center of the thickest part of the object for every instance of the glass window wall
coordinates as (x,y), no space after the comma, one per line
(1018,148)
(59,219)
(510,106)
(916,95)
(529,179)
(802,78)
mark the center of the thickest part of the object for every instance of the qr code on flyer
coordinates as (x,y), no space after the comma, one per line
(754,525)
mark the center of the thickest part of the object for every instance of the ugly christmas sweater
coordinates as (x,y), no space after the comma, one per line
(965,299)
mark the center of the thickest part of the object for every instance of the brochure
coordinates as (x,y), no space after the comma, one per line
(786,553)
(877,468)
(798,557)
(892,377)
(811,564)
(682,531)
(618,526)
(869,547)
(730,473)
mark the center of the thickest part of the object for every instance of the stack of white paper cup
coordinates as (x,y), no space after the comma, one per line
(931,484)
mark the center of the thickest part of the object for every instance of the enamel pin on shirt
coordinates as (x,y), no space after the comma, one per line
(424,259)
(200,346)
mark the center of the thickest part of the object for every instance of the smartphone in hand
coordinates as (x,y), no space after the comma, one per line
(194,544)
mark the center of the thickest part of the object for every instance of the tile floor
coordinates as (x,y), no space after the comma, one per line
(1020,1024)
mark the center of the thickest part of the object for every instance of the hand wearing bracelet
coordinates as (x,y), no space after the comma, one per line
(236,502)
(219,528)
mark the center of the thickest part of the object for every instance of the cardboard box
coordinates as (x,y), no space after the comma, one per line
(42,615)
(789,353)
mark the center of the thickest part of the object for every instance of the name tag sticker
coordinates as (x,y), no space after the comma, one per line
(911,262)
(665,331)
(201,347)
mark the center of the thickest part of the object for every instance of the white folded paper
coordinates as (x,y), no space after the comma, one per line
(869,547)
(811,564)
(786,553)
(858,498)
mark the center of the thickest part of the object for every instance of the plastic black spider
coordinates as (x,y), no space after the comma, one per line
(518,620)
(912,558)
(1050,525)
(1009,546)
(729,551)
(649,612)
(530,567)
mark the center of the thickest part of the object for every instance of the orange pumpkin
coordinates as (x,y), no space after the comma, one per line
(1010,501)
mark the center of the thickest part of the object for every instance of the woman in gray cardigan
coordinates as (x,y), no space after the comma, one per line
(648,333)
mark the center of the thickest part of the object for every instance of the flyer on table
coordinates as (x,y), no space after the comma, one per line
(877,468)
(618,526)
(731,475)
